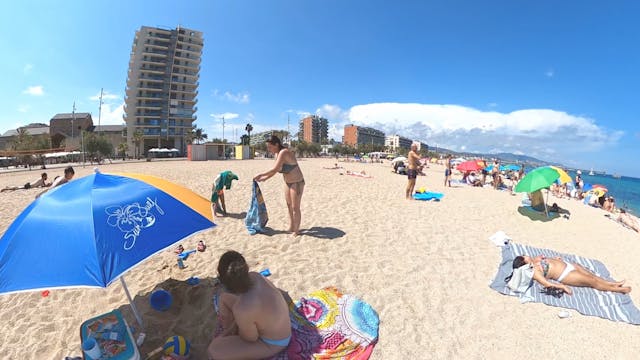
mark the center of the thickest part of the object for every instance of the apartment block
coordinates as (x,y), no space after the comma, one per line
(395,142)
(314,129)
(355,135)
(162,87)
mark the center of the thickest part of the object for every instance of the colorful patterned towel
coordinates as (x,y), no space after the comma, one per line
(329,325)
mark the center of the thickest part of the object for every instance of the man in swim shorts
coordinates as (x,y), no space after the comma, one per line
(413,159)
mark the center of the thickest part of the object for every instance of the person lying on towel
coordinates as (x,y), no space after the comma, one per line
(253,313)
(565,273)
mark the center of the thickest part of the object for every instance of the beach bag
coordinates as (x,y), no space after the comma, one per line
(257,216)
(521,279)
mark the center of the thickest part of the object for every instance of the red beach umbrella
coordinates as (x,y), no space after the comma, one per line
(471,165)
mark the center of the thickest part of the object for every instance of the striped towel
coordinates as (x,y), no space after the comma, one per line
(587,301)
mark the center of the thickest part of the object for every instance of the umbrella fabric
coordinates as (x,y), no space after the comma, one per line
(536,179)
(471,165)
(598,186)
(399,158)
(88,232)
(510,167)
(564,177)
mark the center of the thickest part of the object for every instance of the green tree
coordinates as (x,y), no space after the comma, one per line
(122,150)
(249,129)
(137,140)
(96,147)
(199,135)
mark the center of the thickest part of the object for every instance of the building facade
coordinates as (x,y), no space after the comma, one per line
(421,146)
(355,135)
(66,129)
(314,129)
(162,87)
(395,142)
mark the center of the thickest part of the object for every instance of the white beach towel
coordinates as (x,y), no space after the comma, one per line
(500,238)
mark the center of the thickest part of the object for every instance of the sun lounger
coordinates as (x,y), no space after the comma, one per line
(587,301)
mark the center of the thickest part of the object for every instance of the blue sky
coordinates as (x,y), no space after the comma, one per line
(557,80)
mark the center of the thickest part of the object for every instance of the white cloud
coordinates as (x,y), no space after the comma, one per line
(27,69)
(106,96)
(549,73)
(542,133)
(34,90)
(111,114)
(23,108)
(226,116)
(242,97)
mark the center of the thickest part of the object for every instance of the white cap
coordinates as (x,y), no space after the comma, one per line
(579,172)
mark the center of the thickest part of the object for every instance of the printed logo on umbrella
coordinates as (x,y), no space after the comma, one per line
(131,219)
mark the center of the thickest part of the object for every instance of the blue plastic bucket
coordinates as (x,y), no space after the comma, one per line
(160,300)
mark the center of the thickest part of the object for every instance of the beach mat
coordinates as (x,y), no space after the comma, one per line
(428,196)
(536,215)
(587,301)
(327,324)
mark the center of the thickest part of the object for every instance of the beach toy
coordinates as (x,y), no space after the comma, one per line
(181,264)
(185,255)
(160,300)
(176,345)
(265,272)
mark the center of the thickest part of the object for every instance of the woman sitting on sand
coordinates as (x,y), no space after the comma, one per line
(252,311)
(565,273)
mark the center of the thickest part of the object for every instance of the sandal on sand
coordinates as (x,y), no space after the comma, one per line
(201,246)
(179,249)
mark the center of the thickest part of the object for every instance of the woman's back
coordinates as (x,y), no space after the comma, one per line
(270,307)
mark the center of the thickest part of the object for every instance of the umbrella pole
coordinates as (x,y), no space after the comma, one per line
(545,204)
(133,306)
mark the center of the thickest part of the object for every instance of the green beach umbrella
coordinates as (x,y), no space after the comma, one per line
(536,179)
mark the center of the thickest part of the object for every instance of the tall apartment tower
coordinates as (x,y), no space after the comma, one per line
(314,129)
(162,87)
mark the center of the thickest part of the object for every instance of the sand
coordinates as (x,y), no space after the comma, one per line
(424,266)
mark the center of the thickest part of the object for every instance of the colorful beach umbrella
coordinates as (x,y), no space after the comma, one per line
(564,177)
(90,231)
(471,165)
(602,187)
(536,179)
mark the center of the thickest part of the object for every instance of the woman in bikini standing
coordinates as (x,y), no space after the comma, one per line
(565,273)
(286,164)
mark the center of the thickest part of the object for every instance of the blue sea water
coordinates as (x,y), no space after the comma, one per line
(625,190)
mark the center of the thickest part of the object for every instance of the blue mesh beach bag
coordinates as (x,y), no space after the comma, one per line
(257,216)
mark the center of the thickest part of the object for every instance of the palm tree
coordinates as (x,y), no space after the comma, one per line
(137,140)
(249,129)
(122,149)
(199,135)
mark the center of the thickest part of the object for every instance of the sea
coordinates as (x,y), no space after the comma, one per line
(625,190)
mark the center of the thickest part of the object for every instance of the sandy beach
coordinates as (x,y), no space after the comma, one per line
(423,266)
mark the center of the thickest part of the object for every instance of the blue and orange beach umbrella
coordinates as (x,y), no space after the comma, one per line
(92,230)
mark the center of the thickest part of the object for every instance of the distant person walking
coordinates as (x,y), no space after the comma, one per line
(42,182)
(413,160)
